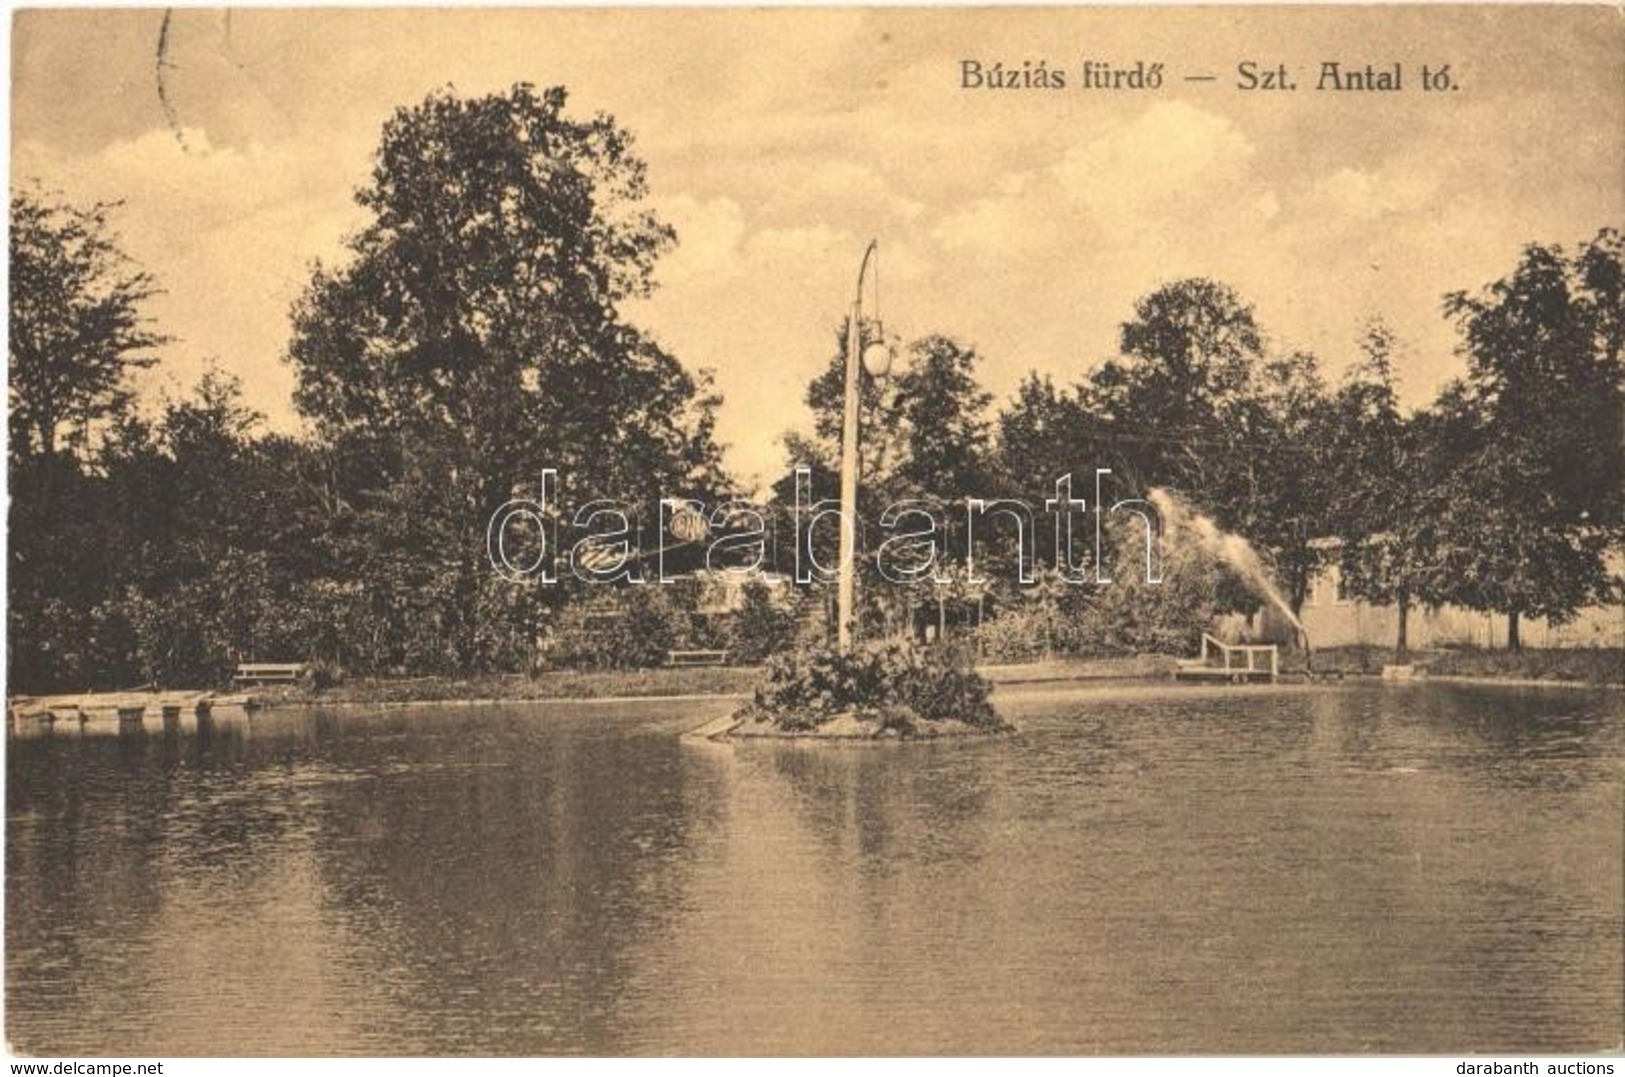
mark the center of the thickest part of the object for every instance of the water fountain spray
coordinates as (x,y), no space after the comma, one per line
(1229,548)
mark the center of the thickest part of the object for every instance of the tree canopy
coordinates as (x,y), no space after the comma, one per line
(475,337)
(77,327)
(475,333)
(1539,427)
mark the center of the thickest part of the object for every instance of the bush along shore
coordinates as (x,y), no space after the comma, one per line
(890,689)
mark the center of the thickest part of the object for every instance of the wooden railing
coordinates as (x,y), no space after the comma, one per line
(1242,657)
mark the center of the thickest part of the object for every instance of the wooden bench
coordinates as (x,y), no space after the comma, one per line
(696,658)
(269,672)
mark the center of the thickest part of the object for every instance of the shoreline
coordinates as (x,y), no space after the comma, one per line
(1513,682)
(667,685)
(739,682)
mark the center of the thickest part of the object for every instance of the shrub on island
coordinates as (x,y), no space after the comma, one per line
(884,688)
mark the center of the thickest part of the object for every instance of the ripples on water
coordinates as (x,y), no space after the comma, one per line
(1406,869)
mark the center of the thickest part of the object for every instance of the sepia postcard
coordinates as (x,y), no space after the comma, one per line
(862,531)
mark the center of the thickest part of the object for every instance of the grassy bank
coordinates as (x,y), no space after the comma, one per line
(1592,665)
(1126,667)
(560,684)
(666,681)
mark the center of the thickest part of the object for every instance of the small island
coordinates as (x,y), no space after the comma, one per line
(887,690)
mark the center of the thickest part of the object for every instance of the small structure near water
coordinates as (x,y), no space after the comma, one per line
(1233,663)
(116,710)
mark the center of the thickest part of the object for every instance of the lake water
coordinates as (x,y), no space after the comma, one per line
(1144,870)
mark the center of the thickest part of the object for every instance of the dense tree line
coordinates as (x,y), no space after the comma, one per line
(1502,495)
(474,335)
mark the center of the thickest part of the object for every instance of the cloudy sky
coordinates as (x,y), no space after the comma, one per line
(779,142)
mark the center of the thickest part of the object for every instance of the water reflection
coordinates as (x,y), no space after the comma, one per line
(507,916)
(1398,868)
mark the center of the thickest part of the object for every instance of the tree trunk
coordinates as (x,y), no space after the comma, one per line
(1402,644)
(1514,637)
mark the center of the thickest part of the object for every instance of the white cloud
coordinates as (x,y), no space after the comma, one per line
(1157,173)
(1168,151)
(710,232)
(1172,158)
(229,234)
(846,187)
(1358,195)
(1002,223)
(798,245)
(1025,224)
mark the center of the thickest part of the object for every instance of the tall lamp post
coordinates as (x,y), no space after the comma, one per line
(877,359)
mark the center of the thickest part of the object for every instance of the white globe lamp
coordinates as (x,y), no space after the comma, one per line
(877,359)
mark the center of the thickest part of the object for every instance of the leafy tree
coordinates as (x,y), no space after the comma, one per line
(924,431)
(880,444)
(1384,474)
(1539,421)
(205,590)
(763,626)
(942,413)
(76,327)
(1130,615)
(924,436)
(1189,356)
(1037,431)
(1275,491)
(76,331)
(475,337)
(1197,403)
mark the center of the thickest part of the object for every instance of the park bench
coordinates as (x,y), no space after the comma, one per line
(696,658)
(269,672)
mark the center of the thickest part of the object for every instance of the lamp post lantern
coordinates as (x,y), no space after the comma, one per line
(877,359)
